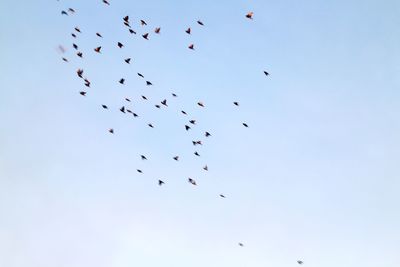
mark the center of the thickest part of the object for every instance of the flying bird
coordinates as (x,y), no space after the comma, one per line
(140,75)
(176,158)
(139,171)
(77,29)
(120,45)
(241,244)
(157,106)
(126,18)
(64,13)
(122,109)
(249,15)
(66,60)
(73,35)
(200,23)
(83,93)
(75,46)
(150,125)
(191,46)
(79,72)
(143,157)
(236,103)
(79,54)
(245,125)
(164,102)
(106,2)
(174,95)
(111,130)
(99,35)
(187,127)
(104,106)
(207,134)
(205,168)
(145,36)
(300,262)
(127,99)
(193,182)
(221,195)
(97,49)
(192,121)
(122,81)
(128,60)
(148,83)
(145,98)
(157,30)
(183,112)
(160,182)
(142,22)
(132,31)
(200,104)
(266,73)
(71,10)
(196,153)
(188,31)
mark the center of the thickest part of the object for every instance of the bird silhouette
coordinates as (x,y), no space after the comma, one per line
(266,73)
(140,75)
(139,171)
(236,103)
(192,181)
(200,23)
(148,83)
(146,36)
(111,130)
(83,93)
(128,60)
(245,125)
(300,262)
(99,35)
(188,31)
(122,109)
(104,106)
(187,127)
(164,102)
(249,15)
(205,168)
(97,49)
(176,158)
(106,2)
(207,134)
(157,30)
(160,182)
(221,195)
(143,157)
(191,46)
(132,31)
(122,81)
(196,153)
(120,45)
(142,22)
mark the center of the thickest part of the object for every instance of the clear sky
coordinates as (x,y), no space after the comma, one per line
(315,176)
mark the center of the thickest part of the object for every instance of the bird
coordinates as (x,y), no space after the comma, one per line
(193,182)
(200,104)
(139,171)
(249,15)
(236,103)
(191,46)
(300,262)
(75,46)
(157,30)
(196,153)
(126,18)
(87,82)
(145,36)
(122,81)
(104,106)
(266,73)
(241,244)
(128,60)
(176,158)
(221,195)
(127,99)
(140,75)
(111,130)
(157,106)
(83,93)
(205,168)
(66,60)
(73,35)
(79,54)
(174,95)
(142,22)
(64,13)
(120,45)
(200,23)
(99,35)
(207,134)
(187,127)
(192,121)
(164,102)
(132,31)
(106,2)
(135,115)
(79,72)
(71,10)
(195,143)
(143,157)
(188,31)
(160,182)
(77,29)
(122,109)
(245,125)
(183,112)
(145,98)
(150,125)
(97,49)
(148,83)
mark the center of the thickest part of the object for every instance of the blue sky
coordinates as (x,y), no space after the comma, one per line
(315,176)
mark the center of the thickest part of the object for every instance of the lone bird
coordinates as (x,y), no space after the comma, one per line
(148,83)
(266,73)
(97,49)
(164,102)
(236,103)
(143,157)
(241,244)
(176,158)
(160,182)
(300,262)
(191,46)
(139,171)
(99,35)
(111,130)
(83,93)
(207,134)
(221,195)
(245,125)
(200,23)
(193,182)
(249,15)
(120,45)
(122,109)
(142,22)
(128,60)
(122,81)
(104,106)
(106,2)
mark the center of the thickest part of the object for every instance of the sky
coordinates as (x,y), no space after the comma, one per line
(315,177)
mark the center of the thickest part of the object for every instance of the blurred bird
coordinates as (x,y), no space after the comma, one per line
(164,102)
(120,45)
(64,13)
(205,168)
(191,46)
(157,106)
(249,15)
(127,99)
(79,72)
(99,35)
(79,54)
(140,75)
(150,125)
(122,109)
(188,31)
(192,121)
(148,83)
(207,134)
(126,19)
(236,103)
(97,49)
(266,73)
(174,95)
(200,104)
(77,29)
(106,2)
(143,157)
(187,127)
(193,182)
(73,35)
(66,60)
(145,98)
(197,154)
(157,30)
(104,106)
(241,244)
(145,36)
(200,23)
(128,60)
(75,46)
(71,10)
(139,171)
(83,93)
(300,262)
(142,22)
(221,195)
(132,31)
(111,130)
(160,182)
(184,112)
(245,125)
(122,81)
(176,158)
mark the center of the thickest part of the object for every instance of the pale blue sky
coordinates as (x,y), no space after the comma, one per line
(315,176)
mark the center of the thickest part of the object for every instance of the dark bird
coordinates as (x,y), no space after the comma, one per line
(77,29)
(129,111)
(148,83)
(205,168)
(127,99)
(245,125)
(66,60)
(241,244)
(97,49)
(79,54)
(71,10)
(140,75)
(249,15)
(176,158)
(120,45)
(99,35)
(142,22)
(196,143)
(200,23)
(164,102)
(207,134)
(188,31)
(157,106)
(300,262)
(157,30)
(132,31)
(145,36)
(192,121)
(174,95)
(122,81)
(145,98)
(75,46)
(139,171)
(104,106)
(266,73)
(128,60)
(106,2)
(79,72)
(197,154)
(87,83)
(126,18)
(64,13)
(122,109)
(183,112)
(111,130)
(200,104)
(127,24)
(191,46)
(187,127)
(135,115)
(193,182)
(236,103)
(150,125)
(221,195)
(73,35)
(143,157)
(83,93)
(160,182)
